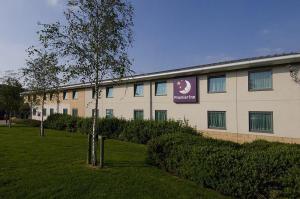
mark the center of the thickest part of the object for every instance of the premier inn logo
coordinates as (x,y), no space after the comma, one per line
(185,90)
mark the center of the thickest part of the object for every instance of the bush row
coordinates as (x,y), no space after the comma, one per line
(138,131)
(27,122)
(256,170)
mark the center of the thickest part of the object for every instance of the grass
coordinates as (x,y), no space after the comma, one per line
(55,167)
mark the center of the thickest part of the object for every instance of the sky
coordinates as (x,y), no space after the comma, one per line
(170,34)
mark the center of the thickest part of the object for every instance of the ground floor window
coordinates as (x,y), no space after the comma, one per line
(75,112)
(216,119)
(109,113)
(65,111)
(34,111)
(138,114)
(51,111)
(44,112)
(160,115)
(261,121)
(93,112)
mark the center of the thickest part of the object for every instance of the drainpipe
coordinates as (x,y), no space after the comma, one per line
(236,108)
(151,112)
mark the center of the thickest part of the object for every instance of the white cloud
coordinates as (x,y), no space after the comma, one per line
(52,2)
(265,31)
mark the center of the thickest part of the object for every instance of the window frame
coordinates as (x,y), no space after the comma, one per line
(34,111)
(44,112)
(257,71)
(155,87)
(112,111)
(74,94)
(216,76)
(260,131)
(218,128)
(63,111)
(107,89)
(65,95)
(166,111)
(136,110)
(75,109)
(51,112)
(134,89)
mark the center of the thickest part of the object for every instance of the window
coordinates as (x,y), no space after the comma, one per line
(65,111)
(260,80)
(93,112)
(34,111)
(75,112)
(138,114)
(161,88)
(93,93)
(160,115)
(45,97)
(51,111)
(44,112)
(75,94)
(216,119)
(109,92)
(109,113)
(65,95)
(216,84)
(138,90)
(261,121)
(51,96)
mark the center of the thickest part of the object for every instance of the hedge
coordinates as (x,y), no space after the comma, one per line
(256,170)
(138,131)
(27,122)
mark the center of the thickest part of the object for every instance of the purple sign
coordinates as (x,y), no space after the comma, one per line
(185,90)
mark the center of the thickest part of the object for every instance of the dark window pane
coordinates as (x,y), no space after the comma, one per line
(261,121)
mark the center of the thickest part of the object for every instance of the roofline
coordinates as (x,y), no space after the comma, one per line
(200,69)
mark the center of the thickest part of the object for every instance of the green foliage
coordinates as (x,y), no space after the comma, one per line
(27,122)
(256,170)
(138,131)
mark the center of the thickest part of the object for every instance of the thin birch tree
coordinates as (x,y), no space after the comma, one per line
(94,42)
(41,76)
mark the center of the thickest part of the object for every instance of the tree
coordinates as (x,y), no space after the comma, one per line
(95,40)
(10,98)
(41,75)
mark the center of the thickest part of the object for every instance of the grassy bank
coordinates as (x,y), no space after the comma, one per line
(54,167)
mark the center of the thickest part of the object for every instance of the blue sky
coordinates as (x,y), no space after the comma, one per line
(171,33)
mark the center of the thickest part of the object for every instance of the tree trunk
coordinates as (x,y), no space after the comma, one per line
(9,119)
(42,121)
(57,103)
(94,130)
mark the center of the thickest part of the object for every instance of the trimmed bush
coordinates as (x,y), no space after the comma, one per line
(27,122)
(138,131)
(257,170)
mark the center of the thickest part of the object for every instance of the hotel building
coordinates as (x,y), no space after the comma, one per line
(241,100)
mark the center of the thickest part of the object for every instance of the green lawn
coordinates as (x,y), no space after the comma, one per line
(54,167)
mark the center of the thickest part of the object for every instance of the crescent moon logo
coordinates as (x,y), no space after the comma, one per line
(187,89)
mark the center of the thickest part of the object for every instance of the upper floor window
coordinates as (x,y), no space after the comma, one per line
(160,115)
(139,90)
(261,121)
(216,84)
(109,92)
(161,88)
(93,93)
(50,96)
(260,80)
(34,111)
(109,113)
(75,94)
(65,96)
(216,119)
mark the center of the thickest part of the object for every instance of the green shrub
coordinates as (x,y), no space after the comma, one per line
(257,170)
(141,131)
(138,131)
(28,122)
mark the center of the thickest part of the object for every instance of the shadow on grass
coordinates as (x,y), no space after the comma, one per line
(128,164)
